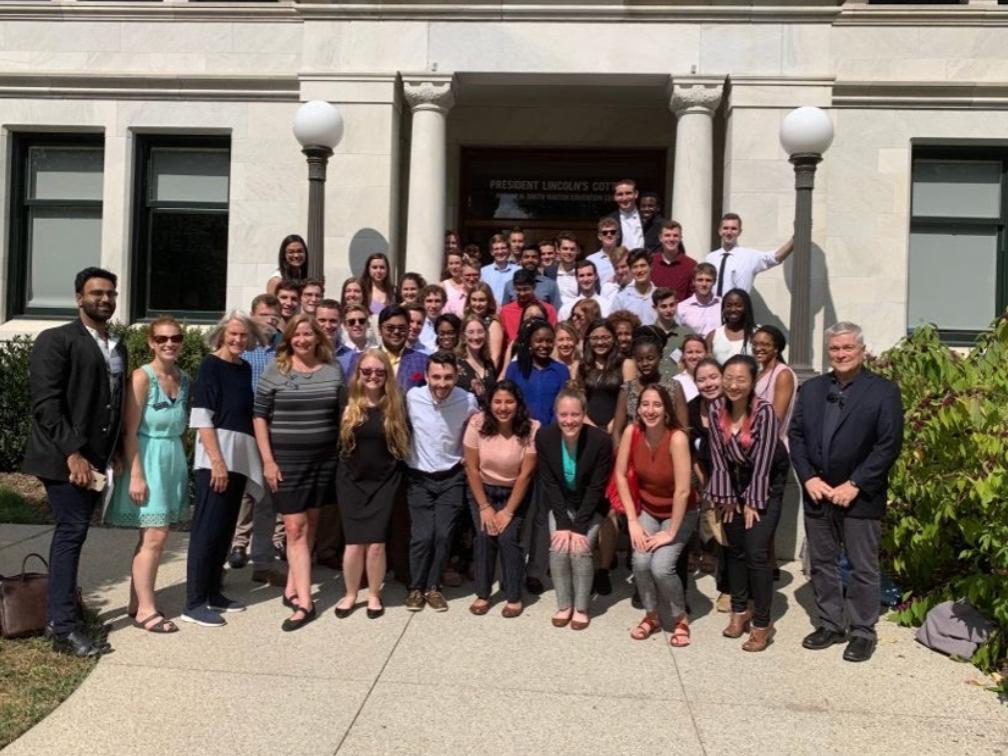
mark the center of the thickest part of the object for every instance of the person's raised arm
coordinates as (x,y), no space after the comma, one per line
(784,250)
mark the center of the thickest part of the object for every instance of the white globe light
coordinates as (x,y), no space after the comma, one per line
(318,124)
(806,130)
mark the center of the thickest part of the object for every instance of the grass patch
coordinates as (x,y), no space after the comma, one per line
(34,680)
(15,508)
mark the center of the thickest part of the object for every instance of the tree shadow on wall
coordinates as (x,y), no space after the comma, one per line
(366,242)
(821,297)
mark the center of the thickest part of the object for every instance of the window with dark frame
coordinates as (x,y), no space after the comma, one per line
(958,259)
(181,228)
(55,220)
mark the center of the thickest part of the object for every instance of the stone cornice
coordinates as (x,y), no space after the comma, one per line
(125,10)
(862,14)
(915,95)
(104,86)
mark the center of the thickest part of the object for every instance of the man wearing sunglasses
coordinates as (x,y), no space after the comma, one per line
(605,258)
(409,365)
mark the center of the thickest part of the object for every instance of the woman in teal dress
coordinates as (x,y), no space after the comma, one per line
(152,491)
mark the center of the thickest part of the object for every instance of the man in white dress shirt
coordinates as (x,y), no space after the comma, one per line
(737,266)
(587,280)
(564,273)
(702,310)
(631,225)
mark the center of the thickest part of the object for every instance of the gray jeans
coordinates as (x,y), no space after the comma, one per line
(655,576)
(572,573)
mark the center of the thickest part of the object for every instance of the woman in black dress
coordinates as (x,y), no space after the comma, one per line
(374,440)
(476,373)
(602,373)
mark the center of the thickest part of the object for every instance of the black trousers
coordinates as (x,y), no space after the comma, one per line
(435,504)
(214,519)
(72,507)
(825,534)
(507,545)
(750,574)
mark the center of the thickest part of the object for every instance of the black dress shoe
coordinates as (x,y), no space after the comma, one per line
(859,649)
(237,558)
(534,586)
(822,638)
(375,613)
(307,615)
(76,643)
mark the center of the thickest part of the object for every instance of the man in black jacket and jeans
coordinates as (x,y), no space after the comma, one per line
(77,382)
(846,433)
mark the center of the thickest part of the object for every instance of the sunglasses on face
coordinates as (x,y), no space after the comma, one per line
(174,339)
(609,233)
(395,329)
(373,372)
(356,321)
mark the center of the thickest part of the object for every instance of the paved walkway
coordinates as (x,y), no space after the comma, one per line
(455,683)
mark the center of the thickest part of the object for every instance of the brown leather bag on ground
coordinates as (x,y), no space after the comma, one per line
(23,601)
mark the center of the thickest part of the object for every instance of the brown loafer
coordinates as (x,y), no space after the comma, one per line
(436,600)
(510,612)
(575,625)
(759,639)
(479,609)
(738,625)
(560,621)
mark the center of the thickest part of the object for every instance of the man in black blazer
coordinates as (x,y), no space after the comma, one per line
(845,435)
(77,376)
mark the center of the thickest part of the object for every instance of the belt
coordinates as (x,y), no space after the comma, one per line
(440,474)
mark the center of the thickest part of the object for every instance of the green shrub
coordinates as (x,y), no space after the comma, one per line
(15,404)
(15,398)
(947,523)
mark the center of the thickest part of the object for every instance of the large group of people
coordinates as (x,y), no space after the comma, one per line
(531,412)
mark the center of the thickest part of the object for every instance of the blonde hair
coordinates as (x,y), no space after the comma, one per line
(567,327)
(215,336)
(462,350)
(397,434)
(285,353)
(484,287)
(161,320)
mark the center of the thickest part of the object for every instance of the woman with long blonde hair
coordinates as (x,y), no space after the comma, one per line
(296,417)
(374,441)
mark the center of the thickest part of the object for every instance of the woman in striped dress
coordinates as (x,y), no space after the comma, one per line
(297,414)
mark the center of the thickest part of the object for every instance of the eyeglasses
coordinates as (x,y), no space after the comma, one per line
(175,338)
(373,372)
(609,232)
(356,321)
(395,329)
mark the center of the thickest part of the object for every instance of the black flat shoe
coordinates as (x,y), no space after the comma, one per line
(76,643)
(289,602)
(344,613)
(822,638)
(375,613)
(289,625)
(859,650)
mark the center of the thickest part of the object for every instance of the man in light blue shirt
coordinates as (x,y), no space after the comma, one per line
(546,289)
(435,477)
(638,296)
(500,272)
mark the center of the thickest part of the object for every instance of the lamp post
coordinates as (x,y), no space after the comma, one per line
(805,134)
(318,126)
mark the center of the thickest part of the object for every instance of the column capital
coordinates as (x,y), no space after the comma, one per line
(695,94)
(429,91)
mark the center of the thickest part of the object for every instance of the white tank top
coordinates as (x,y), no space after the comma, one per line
(722,347)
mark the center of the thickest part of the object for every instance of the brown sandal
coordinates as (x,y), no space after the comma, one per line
(163,627)
(680,637)
(645,628)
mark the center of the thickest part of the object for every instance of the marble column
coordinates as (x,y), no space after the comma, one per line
(430,97)
(693,100)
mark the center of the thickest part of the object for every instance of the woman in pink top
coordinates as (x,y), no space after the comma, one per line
(454,284)
(500,459)
(776,382)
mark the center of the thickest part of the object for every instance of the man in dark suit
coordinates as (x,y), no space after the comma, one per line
(409,364)
(846,433)
(77,376)
(651,220)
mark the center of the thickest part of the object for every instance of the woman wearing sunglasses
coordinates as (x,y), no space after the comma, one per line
(374,440)
(152,492)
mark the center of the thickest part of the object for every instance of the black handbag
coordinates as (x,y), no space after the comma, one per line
(23,601)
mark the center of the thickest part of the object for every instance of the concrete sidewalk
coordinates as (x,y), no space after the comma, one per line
(436,683)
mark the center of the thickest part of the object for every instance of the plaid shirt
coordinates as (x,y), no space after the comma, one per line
(259,358)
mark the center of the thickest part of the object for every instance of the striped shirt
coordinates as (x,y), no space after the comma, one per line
(750,467)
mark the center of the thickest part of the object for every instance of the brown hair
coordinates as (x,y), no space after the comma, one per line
(284,353)
(161,320)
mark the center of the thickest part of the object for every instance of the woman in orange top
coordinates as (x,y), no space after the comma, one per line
(657,448)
